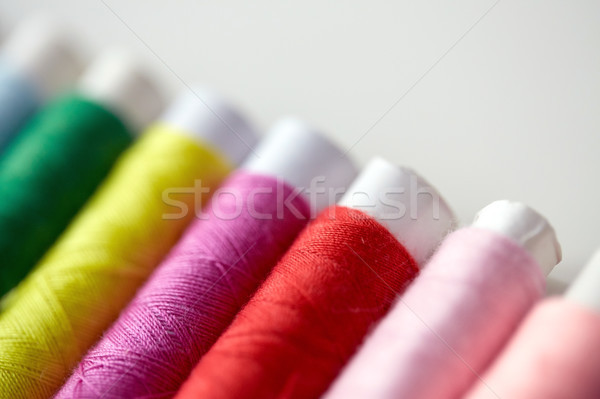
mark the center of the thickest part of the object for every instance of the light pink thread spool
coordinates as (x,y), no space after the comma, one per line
(459,312)
(556,352)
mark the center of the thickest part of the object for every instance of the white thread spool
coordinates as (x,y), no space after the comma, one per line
(43,52)
(585,290)
(525,226)
(211,120)
(304,158)
(121,83)
(411,209)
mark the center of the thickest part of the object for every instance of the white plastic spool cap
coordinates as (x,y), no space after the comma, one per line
(525,226)
(407,205)
(585,290)
(304,158)
(208,118)
(44,53)
(120,83)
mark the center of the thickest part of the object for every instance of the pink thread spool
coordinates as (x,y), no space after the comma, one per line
(458,312)
(556,352)
(317,304)
(195,293)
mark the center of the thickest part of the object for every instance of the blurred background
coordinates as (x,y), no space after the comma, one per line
(486,99)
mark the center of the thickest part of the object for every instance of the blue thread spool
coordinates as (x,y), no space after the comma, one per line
(37,62)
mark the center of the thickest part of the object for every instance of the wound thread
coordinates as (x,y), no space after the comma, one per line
(194,294)
(450,323)
(46,175)
(554,354)
(91,273)
(304,322)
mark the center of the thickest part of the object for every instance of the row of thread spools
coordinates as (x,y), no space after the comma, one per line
(197,263)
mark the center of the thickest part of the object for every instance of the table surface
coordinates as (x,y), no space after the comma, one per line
(487,100)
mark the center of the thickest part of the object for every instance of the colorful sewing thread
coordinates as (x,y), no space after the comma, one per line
(47,174)
(194,294)
(307,318)
(90,274)
(450,323)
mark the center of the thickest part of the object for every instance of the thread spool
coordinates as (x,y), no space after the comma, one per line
(37,62)
(398,199)
(306,319)
(584,289)
(78,289)
(556,351)
(459,312)
(62,155)
(213,270)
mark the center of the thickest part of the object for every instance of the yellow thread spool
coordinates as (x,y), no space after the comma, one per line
(80,286)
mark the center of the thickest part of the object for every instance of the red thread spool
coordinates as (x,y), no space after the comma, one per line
(340,276)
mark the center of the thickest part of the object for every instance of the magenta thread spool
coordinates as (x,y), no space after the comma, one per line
(219,262)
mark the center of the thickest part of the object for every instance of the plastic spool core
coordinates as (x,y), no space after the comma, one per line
(119,82)
(303,158)
(407,205)
(524,225)
(208,118)
(43,51)
(585,290)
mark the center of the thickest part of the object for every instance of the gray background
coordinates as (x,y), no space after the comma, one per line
(487,100)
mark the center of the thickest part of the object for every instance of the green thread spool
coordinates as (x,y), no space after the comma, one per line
(78,289)
(60,157)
